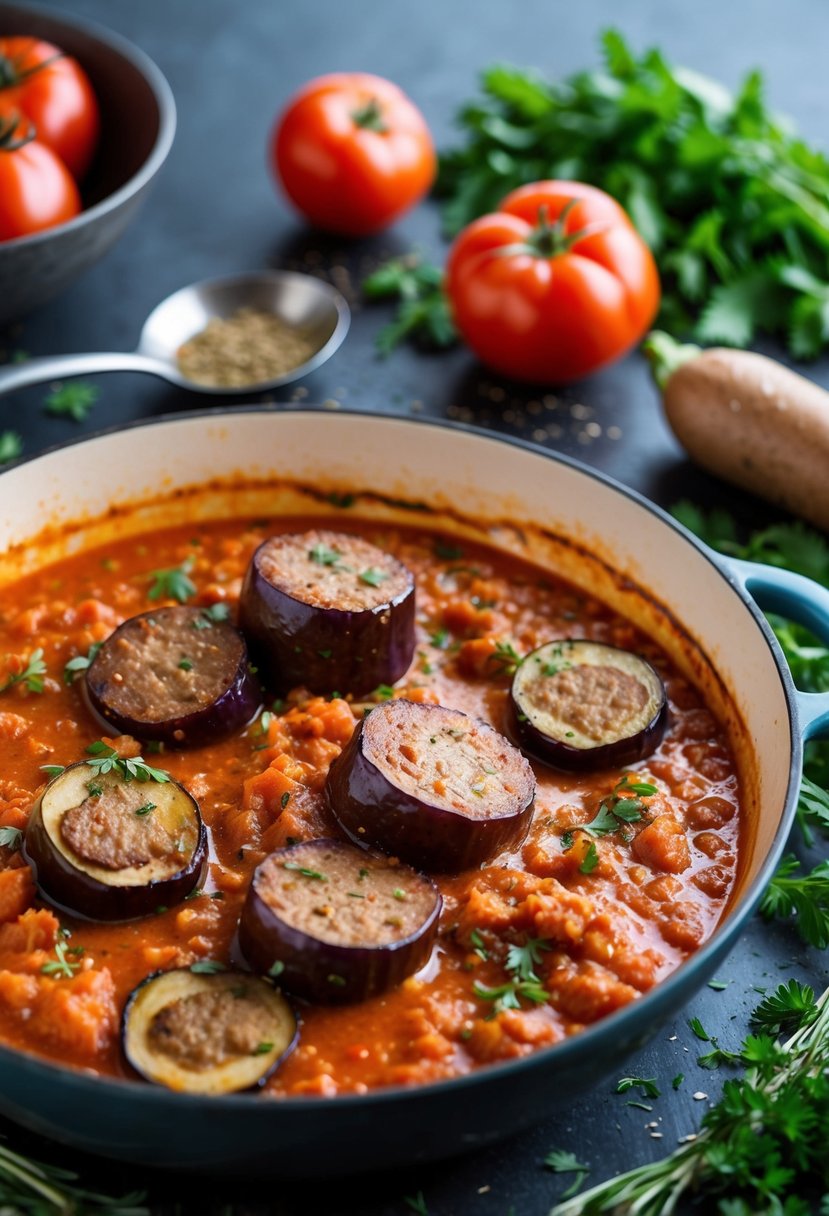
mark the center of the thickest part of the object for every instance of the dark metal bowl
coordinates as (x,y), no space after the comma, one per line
(138,121)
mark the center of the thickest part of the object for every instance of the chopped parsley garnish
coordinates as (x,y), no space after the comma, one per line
(325,654)
(73,400)
(31,675)
(324,556)
(80,663)
(336,980)
(207,966)
(478,945)
(646,1085)
(145,810)
(524,984)
(372,577)
(262,1049)
(620,807)
(95,791)
(60,967)
(284,800)
(383,692)
(211,616)
(53,770)
(399,894)
(439,638)
(11,838)
(590,860)
(304,871)
(677,1080)
(106,760)
(505,659)
(173,583)
(276,969)
(185,664)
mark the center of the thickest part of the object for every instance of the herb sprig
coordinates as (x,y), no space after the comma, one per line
(37,1189)
(523,983)
(31,675)
(73,400)
(173,583)
(423,313)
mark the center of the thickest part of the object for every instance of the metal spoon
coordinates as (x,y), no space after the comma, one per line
(298,299)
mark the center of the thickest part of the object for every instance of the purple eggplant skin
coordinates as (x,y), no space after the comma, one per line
(236,705)
(325,649)
(284,1039)
(374,811)
(71,889)
(559,754)
(323,972)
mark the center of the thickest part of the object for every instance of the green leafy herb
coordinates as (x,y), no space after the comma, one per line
(276,969)
(324,556)
(423,310)
(804,896)
(619,807)
(284,800)
(523,984)
(173,583)
(73,400)
(646,1085)
(478,946)
(439,638)
(304,871)
(417,1204)
(185,664)
(372,577)
(60,967)
(677,1080)
(31,675)
(105,760)
(53,770)
(146,808)
(80,663)
(792,1005)
(11,446)
(262,1049)
(505,659)
(761,1148)
(207,966)
(95,791)
(211,616)
(591,860)
(734,205)
(11,838)
(561,1162)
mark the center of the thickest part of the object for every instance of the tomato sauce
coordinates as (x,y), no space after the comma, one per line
(596,921)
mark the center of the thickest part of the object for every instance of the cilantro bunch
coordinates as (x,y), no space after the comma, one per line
(733,205)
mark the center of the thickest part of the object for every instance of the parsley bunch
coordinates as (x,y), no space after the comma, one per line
(762,1145)
(735,207)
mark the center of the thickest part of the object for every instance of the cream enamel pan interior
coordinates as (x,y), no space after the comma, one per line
(575,522)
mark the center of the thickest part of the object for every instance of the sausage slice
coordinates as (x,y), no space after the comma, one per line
(329,611)
(337,924)
(431,785)
(176,675)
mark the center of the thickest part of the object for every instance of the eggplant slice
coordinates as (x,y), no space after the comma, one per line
(207,1034)
(111,849)
(176,675)
(431,785)
(335,924)
(581,705)
(328,611)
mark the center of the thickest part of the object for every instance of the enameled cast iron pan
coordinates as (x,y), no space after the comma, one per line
(700,607)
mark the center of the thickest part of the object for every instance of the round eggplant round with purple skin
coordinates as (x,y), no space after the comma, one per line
(328,611)
(177,675)
(582,706)
(441,790)
(335,924)
(107,848)
(199,1033)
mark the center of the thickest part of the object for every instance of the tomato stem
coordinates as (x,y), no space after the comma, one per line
(11,73)
(9,141)
(370,116)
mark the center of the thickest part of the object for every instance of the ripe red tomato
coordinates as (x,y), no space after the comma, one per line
(50,89)
(36,189)
(553,285)
(352,153)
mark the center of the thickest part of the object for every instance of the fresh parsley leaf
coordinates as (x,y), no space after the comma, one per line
(207,966)
(323,556)
(561,1162)
(422,308)
(802,896)
(105,759)
(60,967)
(80,663)
(173,583)
(590,860)
(788,1008)
(646,1085)
(505,659)
(31,674)
(372,577)
(73,400)
(11,838)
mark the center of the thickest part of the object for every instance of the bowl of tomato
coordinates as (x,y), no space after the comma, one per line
(86,122)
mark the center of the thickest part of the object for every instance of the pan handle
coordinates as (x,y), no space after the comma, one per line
(799,599)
